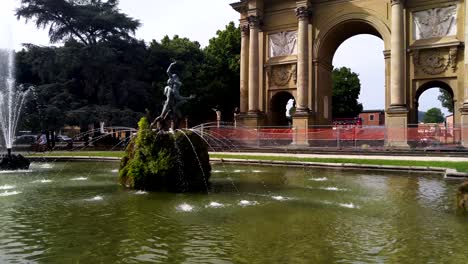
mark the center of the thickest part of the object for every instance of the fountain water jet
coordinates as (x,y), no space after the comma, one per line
(11,102)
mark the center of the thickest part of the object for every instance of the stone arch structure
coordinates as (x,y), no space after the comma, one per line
(288,45)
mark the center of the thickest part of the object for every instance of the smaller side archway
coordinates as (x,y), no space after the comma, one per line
(437,84)
(278,104)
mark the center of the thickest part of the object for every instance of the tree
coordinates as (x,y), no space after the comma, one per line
(190,63)
(87,21)
(346,90)
(222,71)
(74,81)
(434,115)
(446,99)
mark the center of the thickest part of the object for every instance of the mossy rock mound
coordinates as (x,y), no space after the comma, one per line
(462,196)
(14,162)
(163,161)
(463,188)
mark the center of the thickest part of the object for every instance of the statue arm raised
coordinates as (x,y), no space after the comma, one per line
(169,69)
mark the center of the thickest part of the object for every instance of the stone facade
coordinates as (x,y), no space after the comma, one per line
(288,46)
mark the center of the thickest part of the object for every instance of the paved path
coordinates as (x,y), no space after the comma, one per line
(337,156)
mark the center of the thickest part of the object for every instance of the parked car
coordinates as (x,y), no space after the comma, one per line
(63,138)
(25,140)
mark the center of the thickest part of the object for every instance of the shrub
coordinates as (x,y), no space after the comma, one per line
(163,161)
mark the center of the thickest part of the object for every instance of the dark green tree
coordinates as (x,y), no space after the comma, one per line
(222,72)
(72,79)
(190,63)
(87,21)
(446,99)
(346,90)
(434,115)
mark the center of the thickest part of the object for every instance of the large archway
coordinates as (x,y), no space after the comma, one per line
(336,34)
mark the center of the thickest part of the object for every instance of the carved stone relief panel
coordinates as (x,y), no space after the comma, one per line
(435,61)
(281,76)
(283,44)
(435,23)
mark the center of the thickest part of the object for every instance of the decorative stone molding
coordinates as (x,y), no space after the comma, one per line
(281,75)
(283,44)
(387,54)
(435,23)
(435,61)
(303,13)
(453,57)
(254,21)
(397,2)
(245,29)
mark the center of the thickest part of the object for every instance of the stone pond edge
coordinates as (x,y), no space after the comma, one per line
(448,173)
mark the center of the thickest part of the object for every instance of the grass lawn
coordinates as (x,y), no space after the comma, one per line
(459,166)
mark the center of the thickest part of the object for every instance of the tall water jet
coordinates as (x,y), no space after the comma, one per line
(12,99)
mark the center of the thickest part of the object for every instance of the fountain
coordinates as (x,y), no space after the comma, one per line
(164,158)
(11,101)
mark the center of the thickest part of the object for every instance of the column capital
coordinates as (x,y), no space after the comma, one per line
(245,29)
(397,2)
(254,21)
(303,13)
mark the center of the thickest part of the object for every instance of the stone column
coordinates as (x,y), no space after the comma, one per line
(397,114)
(464,109)
(397,56)
(302,14)
(244,68)
(254,23)
(465,101)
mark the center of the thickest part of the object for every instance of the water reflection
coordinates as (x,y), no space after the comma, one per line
(258,215)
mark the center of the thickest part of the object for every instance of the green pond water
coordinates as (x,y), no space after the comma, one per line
(77,213)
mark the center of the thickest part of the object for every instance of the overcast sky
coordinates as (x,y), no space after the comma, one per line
(199,20)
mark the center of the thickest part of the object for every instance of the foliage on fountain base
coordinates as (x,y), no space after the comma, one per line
(165,161)
(462,196)
(14,162)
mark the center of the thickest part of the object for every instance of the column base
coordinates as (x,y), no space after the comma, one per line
(397,127)
(251,119)
(301,123)
(464,126)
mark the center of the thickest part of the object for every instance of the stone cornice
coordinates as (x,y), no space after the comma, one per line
(240,7)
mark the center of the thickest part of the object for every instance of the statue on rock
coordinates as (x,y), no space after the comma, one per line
(161,159)
(171,109)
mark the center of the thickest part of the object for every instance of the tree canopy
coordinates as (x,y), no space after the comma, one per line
(101,73)
(434,115)
(346,90)
(446,99)
(87,21)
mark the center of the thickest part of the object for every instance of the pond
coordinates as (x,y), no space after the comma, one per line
(77,213)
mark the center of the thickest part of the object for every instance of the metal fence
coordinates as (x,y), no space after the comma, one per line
(341,137)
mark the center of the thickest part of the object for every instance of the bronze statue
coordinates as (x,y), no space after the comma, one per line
(171,109)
